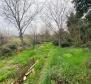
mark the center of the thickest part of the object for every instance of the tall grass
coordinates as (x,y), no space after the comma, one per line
(63,65)
(67,65)
(9,66)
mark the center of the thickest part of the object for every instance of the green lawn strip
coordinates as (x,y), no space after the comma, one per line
(42,57)
(24,57)
(46,73)
(4,74)
(74,68)
(6,68)
(67,65)
(9,66)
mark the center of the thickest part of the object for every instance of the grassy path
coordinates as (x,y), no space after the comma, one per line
(63,66)
(55,66)
(42,58)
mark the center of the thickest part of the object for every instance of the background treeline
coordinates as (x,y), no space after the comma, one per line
(77,33)
(79,23)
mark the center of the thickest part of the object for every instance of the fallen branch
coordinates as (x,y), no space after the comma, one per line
(29,71)
(23,77)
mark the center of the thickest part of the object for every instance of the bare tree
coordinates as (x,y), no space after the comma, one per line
(49,26)
(58,11)
(20,13)
(34,32)
(4,36)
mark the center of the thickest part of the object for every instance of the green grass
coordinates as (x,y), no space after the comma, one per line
(9,66)
(23,57)
(68,65)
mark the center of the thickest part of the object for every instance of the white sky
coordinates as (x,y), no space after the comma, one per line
(6,26)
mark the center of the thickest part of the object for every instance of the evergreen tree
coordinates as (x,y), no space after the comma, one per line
(82,6)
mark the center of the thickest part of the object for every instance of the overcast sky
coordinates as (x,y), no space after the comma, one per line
(6,26)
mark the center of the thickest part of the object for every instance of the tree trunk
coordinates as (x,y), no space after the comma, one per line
(22,40)
(33,44)
(59,42)
(34,41)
